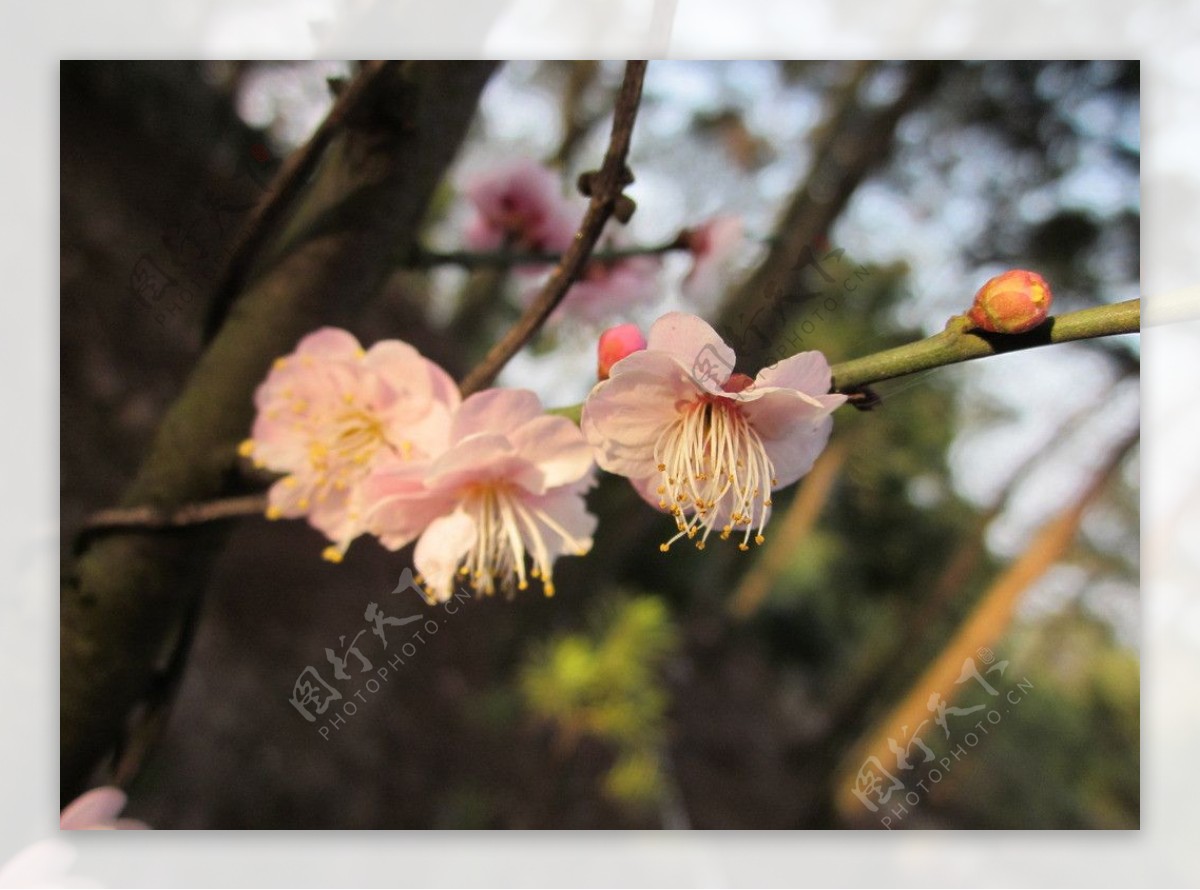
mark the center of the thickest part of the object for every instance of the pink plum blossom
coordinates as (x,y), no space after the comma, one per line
(510,485)
(330,412)
(607,288)
(519,204)
(97,810)
(713,245)
(705,443)
(616,343)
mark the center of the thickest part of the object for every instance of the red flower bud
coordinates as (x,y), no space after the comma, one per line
(1011,303)
(615,344)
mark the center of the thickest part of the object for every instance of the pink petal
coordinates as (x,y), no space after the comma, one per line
(336,514)
(494,411)
(613,290)
(443,545)
(397,507)
(624,416)
(694,343)
(402,367)
(805,371)
(647,488)
(442,385)
(484,457)
(330,343)
(556,446)
(97,807)
(714,244)
(793,429)
(480,234)
(567,511)
(422,439)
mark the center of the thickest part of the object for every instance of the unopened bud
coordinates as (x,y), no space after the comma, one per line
(615,344)
(1011,303)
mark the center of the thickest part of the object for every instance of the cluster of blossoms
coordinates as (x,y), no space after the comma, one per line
(492,488)
(520,206)
(378,441)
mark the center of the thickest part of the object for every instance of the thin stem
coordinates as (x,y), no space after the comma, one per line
(955,344)
(152,518)
(421,258)
(607,187)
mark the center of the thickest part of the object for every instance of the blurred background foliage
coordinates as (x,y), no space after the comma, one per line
(714,690)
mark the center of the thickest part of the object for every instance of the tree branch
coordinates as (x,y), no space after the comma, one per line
(285,187)
(147,518)
(956,344)
(125,598)
(606,189)
(421,258)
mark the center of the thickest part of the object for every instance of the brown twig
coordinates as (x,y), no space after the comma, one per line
(286,185)
(577,123)
(607,187)
(146,518)
(420,258)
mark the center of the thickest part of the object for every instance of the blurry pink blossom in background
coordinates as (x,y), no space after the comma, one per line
(330,412)
(97,810)
(702,442)
(713,246)
(510,485)
(520,204)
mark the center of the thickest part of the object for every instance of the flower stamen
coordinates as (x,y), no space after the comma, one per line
(712,457)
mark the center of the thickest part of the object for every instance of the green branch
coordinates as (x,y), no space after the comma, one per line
(957,344)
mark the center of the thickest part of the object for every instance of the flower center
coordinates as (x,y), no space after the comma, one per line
(505,526)
(715,471)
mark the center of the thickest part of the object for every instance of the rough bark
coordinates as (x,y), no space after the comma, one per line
(126,597)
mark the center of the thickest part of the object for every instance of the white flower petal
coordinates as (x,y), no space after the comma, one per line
(440,549)
(805,371)
(494,411)
(556,446)
(694,343)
